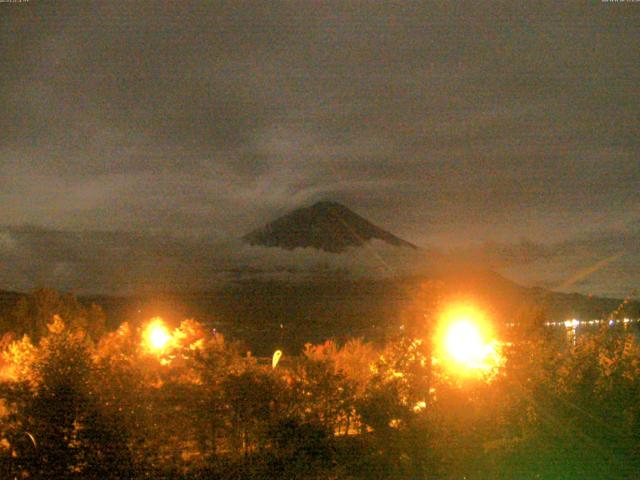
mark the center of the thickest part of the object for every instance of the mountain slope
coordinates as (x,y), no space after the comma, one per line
(328,226)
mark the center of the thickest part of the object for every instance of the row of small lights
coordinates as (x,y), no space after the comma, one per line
(573,323)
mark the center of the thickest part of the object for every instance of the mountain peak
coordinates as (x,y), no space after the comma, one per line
(326,225)
(328,204)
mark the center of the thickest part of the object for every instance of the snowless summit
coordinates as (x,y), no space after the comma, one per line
(326,225)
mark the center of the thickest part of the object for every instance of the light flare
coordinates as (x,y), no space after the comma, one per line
(465,342)
(156,335)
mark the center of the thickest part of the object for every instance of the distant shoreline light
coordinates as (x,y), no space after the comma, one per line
(574,322)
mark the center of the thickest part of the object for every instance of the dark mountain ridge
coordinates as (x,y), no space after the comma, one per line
(326,225)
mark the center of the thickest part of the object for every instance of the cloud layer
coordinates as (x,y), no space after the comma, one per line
(126,263)
(448,124)
(121,262)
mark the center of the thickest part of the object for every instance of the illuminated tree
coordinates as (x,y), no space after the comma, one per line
(562,409)
(163,390)
(354,360)
(254,400)
(58,409)
(34,312)
(322,394)
(392,410)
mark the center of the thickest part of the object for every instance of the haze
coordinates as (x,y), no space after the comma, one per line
(507,132)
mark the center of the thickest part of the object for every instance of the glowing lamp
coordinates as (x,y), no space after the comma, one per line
(464,342)
(156,336)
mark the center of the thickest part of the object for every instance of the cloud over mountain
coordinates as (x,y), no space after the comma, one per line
(157,116)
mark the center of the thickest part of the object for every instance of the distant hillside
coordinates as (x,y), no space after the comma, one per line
(8,302)
(328,226)
(315,310)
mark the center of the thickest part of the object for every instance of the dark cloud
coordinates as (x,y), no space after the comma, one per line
(447,123)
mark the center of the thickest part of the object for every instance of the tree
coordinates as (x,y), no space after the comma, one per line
(34,312)
(322,394)
(57,408)
(393,409)
(253,399)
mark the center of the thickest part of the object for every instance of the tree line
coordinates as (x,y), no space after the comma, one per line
(78,401)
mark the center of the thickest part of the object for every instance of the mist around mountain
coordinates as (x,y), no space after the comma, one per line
(603,263)
(123,263)
(325,225)
(318,272)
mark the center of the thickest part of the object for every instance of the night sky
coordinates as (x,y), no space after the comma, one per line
(508,131)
